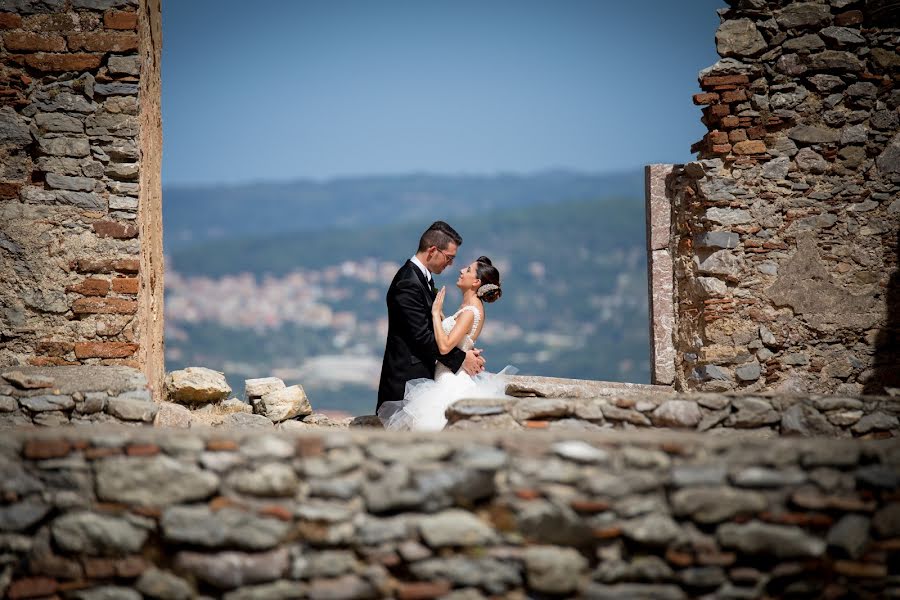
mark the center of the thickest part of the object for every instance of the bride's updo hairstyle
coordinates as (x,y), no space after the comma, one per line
(490,280)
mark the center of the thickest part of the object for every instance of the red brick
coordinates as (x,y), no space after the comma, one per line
(125,285)
(99,568)
(589,506)
(117,19)
(32,587)
(730,122)
(103,41)
(104,349)
(533,424)
(679,558)
(10,21)
(121,362)
(750,147)
(757,132)
(860,569)
(309,447)
(717,111)
(93,453)
(528,494)
(221,445)
(54,347)
(9,191)
(115,230)
(91,286)
(607,533)
(142,450)
(41,449)
(49,361)
(423,590)
(721,148)
(104,306)
(717,137)
(279,512)
(706,98)
(121,265)
(737,135)
(713,80)
(34,42)
(851,17)
(734,96)
(58,63)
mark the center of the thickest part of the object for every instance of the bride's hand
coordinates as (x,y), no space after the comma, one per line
(438,305)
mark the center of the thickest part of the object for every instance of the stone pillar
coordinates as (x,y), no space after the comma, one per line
(80,247)
(659,274)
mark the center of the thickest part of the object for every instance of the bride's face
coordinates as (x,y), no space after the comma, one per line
(467,279)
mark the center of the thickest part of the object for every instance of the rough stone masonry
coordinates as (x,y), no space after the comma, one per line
(784,234)
(80,227)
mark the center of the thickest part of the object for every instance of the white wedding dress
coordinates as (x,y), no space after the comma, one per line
(426,400)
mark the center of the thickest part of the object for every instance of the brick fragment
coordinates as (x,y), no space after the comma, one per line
(125,285)
(528,494)
(679,558)
(31,587)
(706,98)
(730,122)
(860,569)
(714,80)
(589,506)
(115,230)
(103,41)
(92,286)
(720,148)
(120,362)
(10,20)
(104,349)
(142,450)
(277,512)
(221,445)
(59,63)
(104,306)
(717,111)
(34,42)
(118,19)
(757,132)
(717,137)
(734,96)
(9,191)
(101,452)
(750,147)
(607,533)
(737,135)
(43,449)
(99,568)
(120,265)
(534,424)
(423,590)
(54,347)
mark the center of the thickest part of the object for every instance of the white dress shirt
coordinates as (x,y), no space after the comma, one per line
(415,260)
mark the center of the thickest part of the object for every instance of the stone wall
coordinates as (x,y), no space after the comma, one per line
(79,188)
(131,513)
(785,231)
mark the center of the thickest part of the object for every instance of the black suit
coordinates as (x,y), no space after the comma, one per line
(411,350)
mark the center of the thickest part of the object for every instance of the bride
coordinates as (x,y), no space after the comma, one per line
(426,400)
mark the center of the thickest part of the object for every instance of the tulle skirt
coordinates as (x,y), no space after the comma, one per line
(426,400)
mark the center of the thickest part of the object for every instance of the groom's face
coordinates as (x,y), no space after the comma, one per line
(441,259)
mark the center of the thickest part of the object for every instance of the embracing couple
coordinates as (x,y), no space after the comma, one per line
(430,361)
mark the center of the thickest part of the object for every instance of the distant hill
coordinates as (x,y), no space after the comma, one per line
(194,215)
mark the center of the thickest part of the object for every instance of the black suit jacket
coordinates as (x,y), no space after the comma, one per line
(411,350)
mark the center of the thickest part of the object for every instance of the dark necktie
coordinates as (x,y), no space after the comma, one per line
(431,287)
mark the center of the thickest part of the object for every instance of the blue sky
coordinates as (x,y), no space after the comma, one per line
(280,90)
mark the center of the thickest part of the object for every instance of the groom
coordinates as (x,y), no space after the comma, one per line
(411,350)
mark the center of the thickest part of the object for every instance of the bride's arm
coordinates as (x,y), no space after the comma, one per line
(447,342)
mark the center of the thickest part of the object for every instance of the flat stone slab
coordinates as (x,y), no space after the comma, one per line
(554,387)
(84,378)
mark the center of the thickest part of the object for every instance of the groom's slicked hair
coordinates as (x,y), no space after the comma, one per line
(439,235)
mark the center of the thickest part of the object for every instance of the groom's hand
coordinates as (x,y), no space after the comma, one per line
(474,363)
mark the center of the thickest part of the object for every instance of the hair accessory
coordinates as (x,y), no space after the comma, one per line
(486,289)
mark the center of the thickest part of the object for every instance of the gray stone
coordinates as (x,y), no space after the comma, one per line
(739,37)
(761,477)
(652,529)
(810,161)
(804,420)
(261,446)
(65,146)
(776,168)
(849,535)
(876,421)
(257,388)
(717,239)
(58,123)
(27,381)
(123,171)
(43,403)
(748,372)
(229,570)
(702,577)
(753,412)
(555,523)
(842,36)
(243,420)
(581,452)
(795,359)
(854,134)
(716,504)
(553,570)
(728,216)
(196,385)
(455,528)
(826,83)
(710,372)
(329,563)
(710,286)
(494,576)
(21,515)
(803,15)
(346,587)
(155,481)
(106,592)
(268,480)
(886,522)
(418,453)
(889,160)
(163,585)
(124,65)
(373,531)
(63,182)
(804,44)
(131,409)
(96,535)
(89,201)
(277,590)
(14,131)
(122,203)
(170,414)
(696,475)
(835,60)
(721,263)
(676,413)
(774,540)
(116,88)
(8,404)
(283,404)
(878,476)
(808,134)
(711,419)
(597,591)
(864,206)
(326,511)
(112,124)
(232,527)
